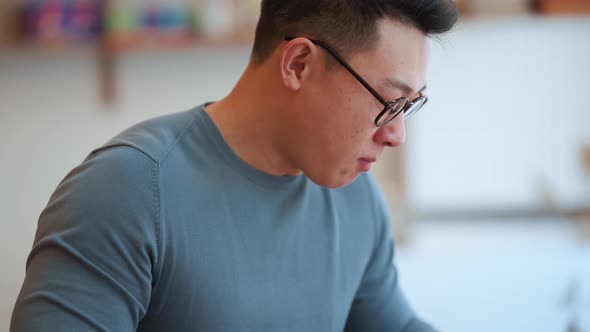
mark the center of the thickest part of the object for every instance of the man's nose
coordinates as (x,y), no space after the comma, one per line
(393,134)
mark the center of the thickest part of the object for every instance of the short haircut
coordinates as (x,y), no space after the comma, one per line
(350,26)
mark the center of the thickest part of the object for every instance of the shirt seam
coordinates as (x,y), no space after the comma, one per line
(156,197)
(178,138)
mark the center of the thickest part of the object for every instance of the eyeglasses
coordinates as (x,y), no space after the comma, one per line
(391,108)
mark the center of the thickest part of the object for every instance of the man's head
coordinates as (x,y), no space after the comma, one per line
(330,130)
(350,26)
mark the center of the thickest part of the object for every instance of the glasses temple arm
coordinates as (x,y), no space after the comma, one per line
(345,65)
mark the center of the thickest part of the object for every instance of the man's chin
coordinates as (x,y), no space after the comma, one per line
(334,182)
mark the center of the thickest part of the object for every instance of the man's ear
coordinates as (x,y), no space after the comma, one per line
(296,60)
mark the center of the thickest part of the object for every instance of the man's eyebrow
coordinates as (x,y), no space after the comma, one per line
(399,84)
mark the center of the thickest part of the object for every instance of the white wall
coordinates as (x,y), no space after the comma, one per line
(509,100)
(510,103)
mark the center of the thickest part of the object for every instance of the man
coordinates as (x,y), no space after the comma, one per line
(254,213)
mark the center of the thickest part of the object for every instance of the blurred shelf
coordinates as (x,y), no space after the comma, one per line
(107,49)
(116,47)
(173,45)
(563,7)
(500,8)
(62,49)
(118,28)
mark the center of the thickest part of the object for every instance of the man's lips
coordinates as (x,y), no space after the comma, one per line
(365,163)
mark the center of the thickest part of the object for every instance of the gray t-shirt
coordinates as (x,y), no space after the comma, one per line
(165,229)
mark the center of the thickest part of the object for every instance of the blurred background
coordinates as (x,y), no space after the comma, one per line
(490,196)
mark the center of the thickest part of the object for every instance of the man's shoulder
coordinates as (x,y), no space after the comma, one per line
(155,137)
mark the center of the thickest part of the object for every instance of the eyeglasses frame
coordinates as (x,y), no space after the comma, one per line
(388,105)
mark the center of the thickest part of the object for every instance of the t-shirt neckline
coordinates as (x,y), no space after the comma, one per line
(235,162)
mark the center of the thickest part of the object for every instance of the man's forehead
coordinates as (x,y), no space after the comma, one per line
(405,71)
(402,57)
(398,83)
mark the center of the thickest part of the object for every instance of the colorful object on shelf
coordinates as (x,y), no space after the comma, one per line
(165,25)
(120,20)
(168,21)
(55,22)
(134,24)
(121,25)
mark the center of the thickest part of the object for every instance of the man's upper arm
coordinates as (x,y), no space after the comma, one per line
(91,265)
(380,304)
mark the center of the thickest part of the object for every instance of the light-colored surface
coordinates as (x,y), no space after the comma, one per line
(502,275)
(464,151)
(510,104)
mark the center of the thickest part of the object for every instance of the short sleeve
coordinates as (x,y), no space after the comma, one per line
(379,303)
(91,265)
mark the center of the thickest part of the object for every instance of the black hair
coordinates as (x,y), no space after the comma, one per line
(348,25)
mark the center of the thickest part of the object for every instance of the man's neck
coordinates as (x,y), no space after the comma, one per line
(250,125)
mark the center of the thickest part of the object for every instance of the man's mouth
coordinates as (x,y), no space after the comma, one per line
(365,163)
